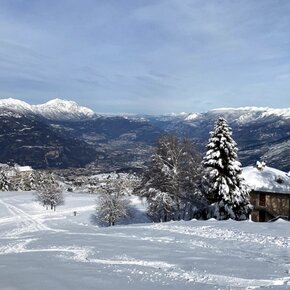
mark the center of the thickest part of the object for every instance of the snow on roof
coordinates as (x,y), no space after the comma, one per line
(23,168)
(267,179)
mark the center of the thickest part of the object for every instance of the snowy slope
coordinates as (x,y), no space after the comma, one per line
(192,116)
(56,109)
(246,114)
(242,115)
(267,179)
(16,105)
(61,109)
(47,250)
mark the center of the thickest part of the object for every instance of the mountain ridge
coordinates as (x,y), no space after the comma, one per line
(55,109)
(124,141)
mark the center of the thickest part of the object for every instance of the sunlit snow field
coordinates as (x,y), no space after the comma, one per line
(42,249)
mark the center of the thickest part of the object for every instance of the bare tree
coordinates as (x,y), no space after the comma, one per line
(48,191)
(172,180)
(112,203)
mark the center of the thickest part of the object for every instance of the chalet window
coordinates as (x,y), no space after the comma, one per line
(262,201)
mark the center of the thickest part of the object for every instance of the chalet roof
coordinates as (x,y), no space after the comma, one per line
(267,179)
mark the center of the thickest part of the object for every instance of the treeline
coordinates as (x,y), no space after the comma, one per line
(180,184)
(48,190)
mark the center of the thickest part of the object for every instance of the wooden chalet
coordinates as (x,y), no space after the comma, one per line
(270,193)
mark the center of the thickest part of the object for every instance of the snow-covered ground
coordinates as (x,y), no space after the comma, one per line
(42,249)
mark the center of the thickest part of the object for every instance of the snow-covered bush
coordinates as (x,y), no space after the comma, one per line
(222,182)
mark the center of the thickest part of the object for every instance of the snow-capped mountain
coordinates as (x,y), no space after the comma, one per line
(261,133)
(238,116)
(56,109)
(15,105)
(251,114)
(63,134)
(244,115)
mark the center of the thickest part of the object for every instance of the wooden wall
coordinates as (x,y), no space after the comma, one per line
(269,205)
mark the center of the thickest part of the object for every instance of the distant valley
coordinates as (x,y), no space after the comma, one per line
(62,134)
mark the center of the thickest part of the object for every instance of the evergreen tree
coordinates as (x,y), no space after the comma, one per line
(27,182)
(222,181)
(32,181)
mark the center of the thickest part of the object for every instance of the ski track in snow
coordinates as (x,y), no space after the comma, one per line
(173,272)
(25,222)
(210,232)
(22,240)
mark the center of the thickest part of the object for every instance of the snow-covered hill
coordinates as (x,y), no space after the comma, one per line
(47,250)
(56,109)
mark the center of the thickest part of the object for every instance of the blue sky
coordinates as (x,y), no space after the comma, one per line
(150,56)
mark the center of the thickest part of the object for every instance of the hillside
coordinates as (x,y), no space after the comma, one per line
(55,250)
(61,134)
(28,140)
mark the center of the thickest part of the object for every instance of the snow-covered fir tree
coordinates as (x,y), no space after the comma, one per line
(27,182)
(222,182)
(32,180)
